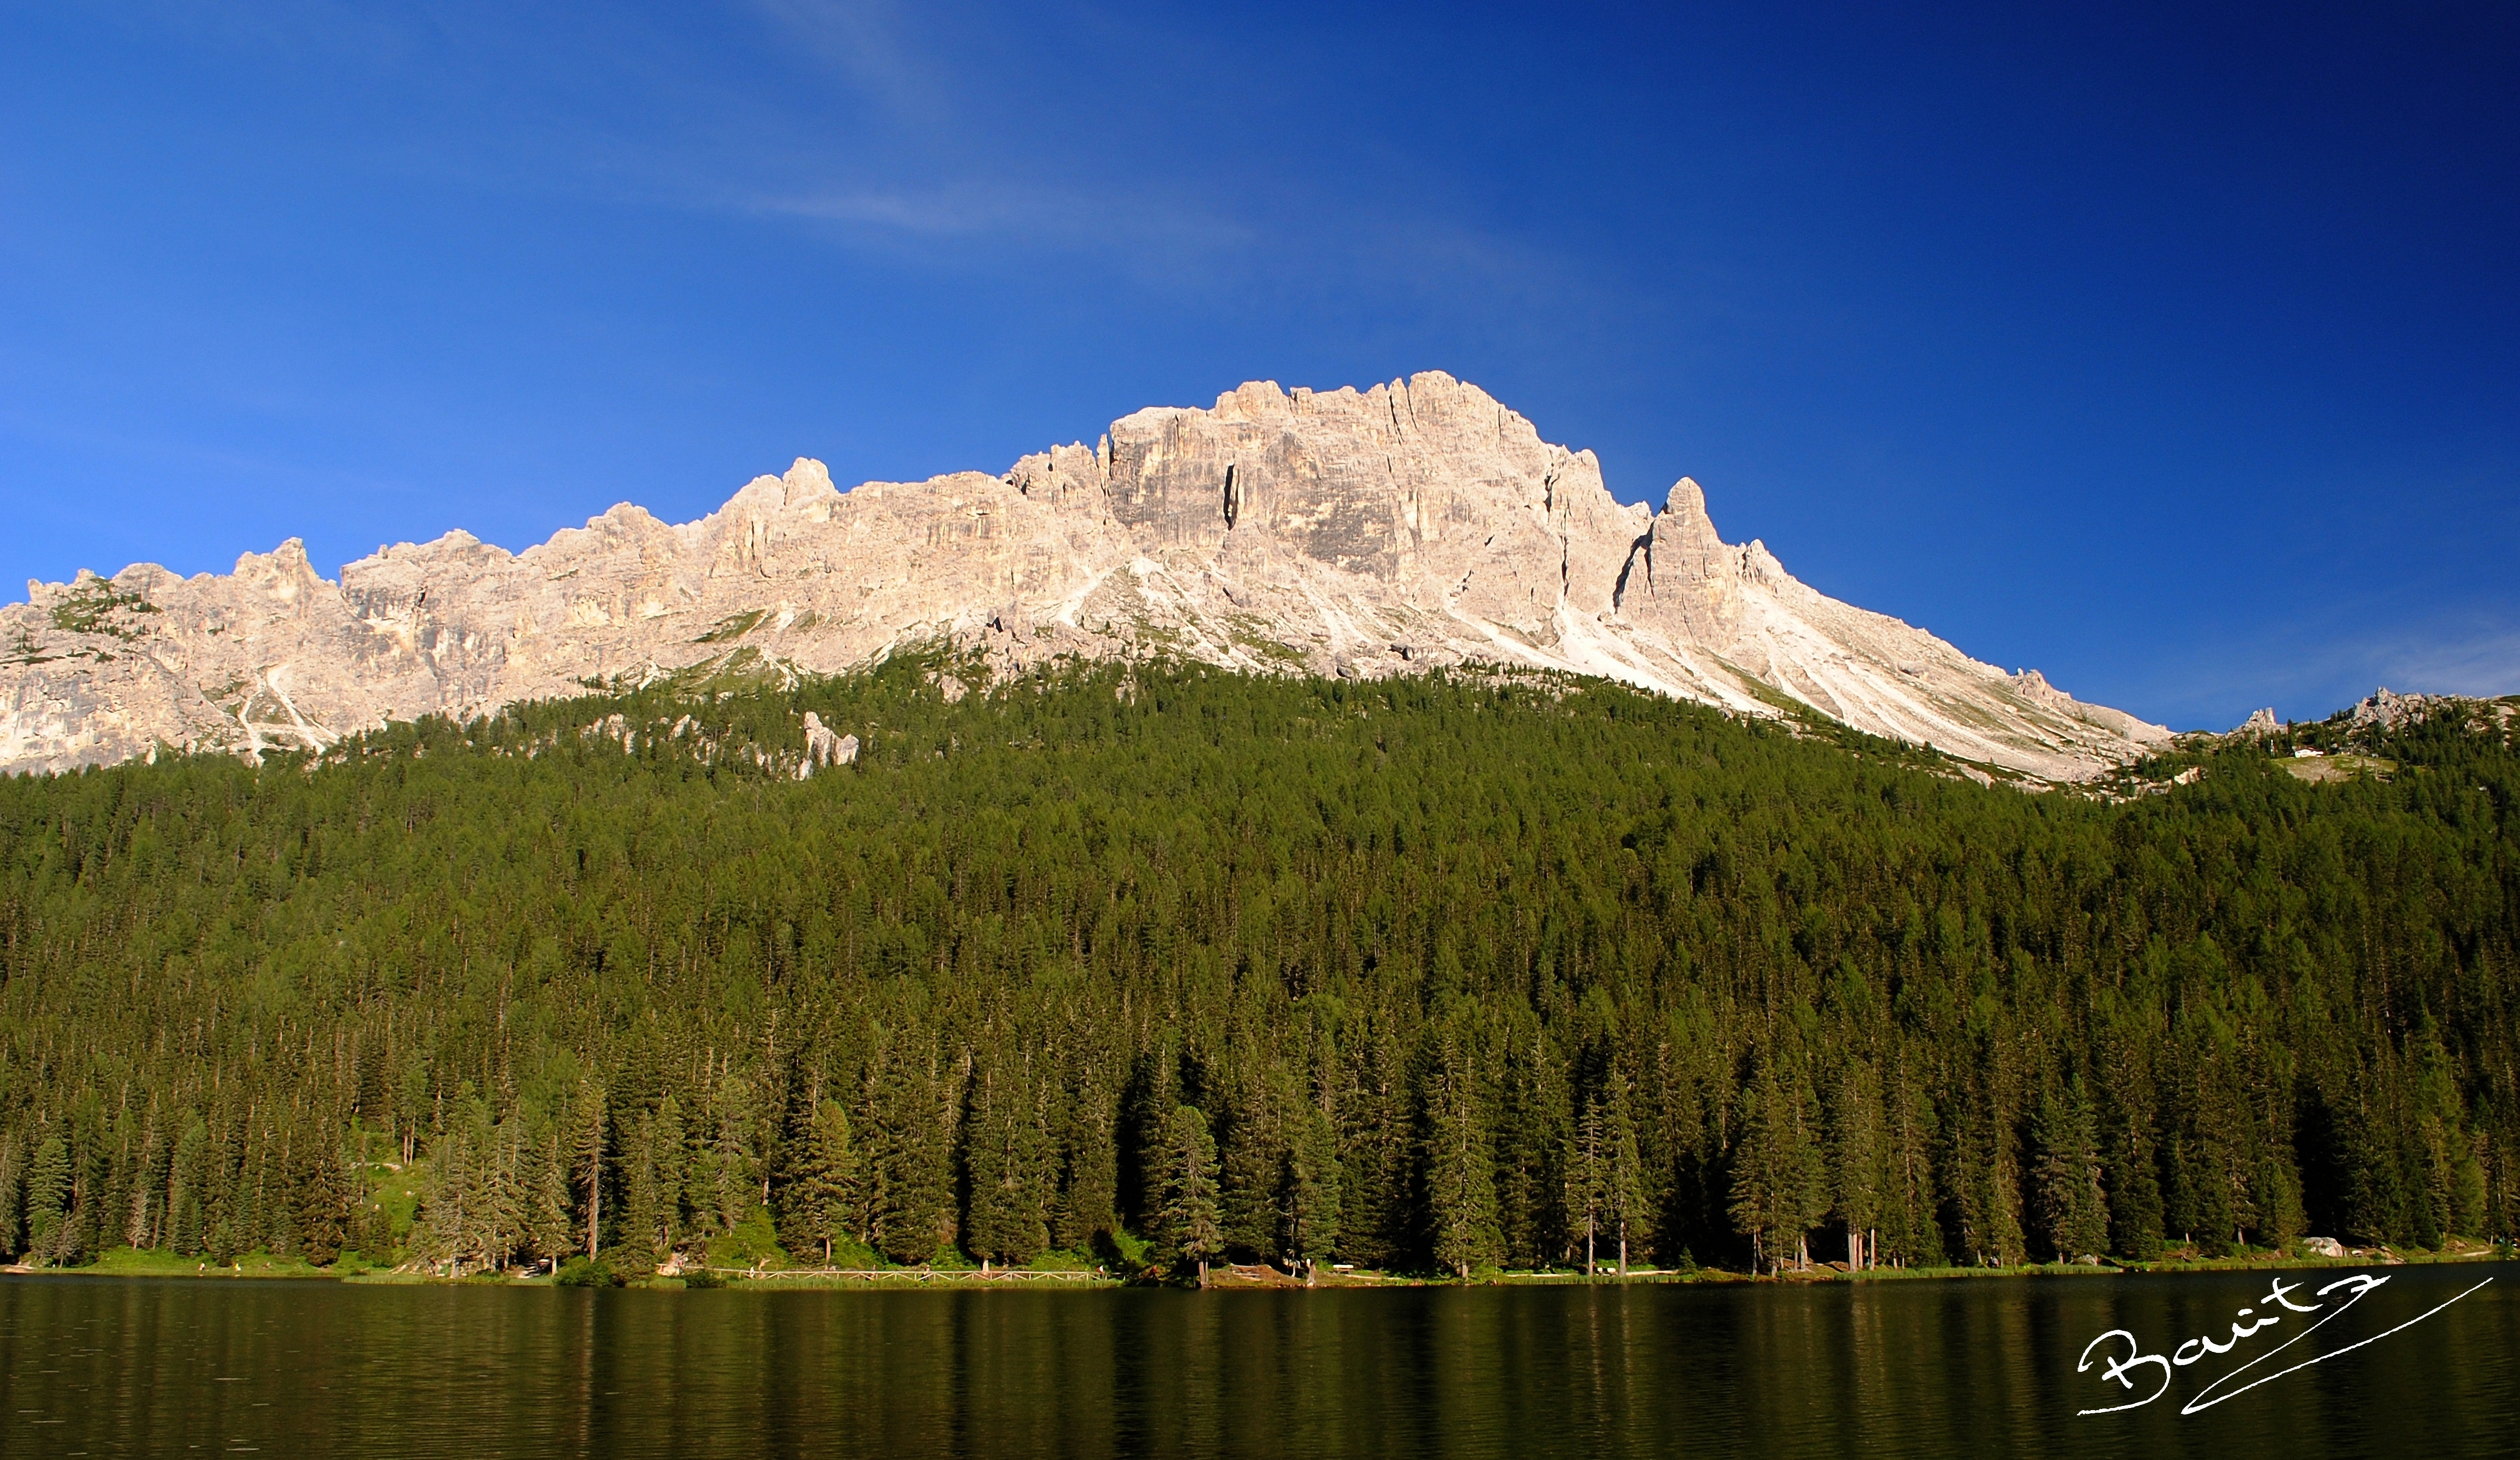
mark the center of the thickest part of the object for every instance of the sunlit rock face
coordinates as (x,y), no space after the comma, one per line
(1357,534)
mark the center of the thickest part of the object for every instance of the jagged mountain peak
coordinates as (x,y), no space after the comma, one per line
(1387,530)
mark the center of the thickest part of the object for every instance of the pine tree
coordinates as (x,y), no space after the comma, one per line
(548,1227)
(593,1111)
(1853,1158)
(909,1195)
(505,1196)
(645,1230)
(1913,1235)
(187,1176)
(1534,1137)
(816,1202)
(1309,1190)
(13,1196)
(1459,1164)
(326,1197)
(2132,1175)
(1187,1223)
(1005,1156)
(734,1184)
(1587,1182)
(50,1235)
(1251,1162)
(447,1226)
(1089,1180)
(1779,1188)
(2073,1206)
(147,1190)
(1626,1207)
(670,1162)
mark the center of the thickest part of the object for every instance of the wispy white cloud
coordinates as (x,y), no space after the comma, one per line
(882,127)
(944,158)
(868,42)
(2311,670)
(2486,663)
(1036,212)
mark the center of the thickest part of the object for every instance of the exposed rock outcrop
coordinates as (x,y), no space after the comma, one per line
(825,747)
(2389,710)
(1361,533)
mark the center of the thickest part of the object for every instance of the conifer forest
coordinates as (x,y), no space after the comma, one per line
(1152,966)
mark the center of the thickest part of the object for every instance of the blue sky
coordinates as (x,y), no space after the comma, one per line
(2174,351)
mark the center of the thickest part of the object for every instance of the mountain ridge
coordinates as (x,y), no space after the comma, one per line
(1390,530)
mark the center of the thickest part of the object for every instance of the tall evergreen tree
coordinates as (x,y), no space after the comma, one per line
(1460,1160)
(816,1213)
(50,1236)
(589,1127)
(1308,1206)
(1006,1166)
(910,1197)
(13,1195)
(1187,1223)
(2073,1203)
(549,1233)
(1088,1174)
(1854,1158)
(1779,1187)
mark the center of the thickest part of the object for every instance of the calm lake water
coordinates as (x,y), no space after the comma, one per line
(113,1366)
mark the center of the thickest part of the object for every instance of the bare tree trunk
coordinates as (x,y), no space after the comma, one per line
(595,1189)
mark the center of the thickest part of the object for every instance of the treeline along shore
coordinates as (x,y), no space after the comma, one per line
(1152,966)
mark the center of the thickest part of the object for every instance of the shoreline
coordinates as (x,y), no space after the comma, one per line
(258,1268)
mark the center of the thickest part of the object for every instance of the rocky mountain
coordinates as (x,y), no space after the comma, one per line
(2385,710)
(1359,533)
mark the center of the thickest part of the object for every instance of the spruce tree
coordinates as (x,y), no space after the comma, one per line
(13,1195)
(50,1236)
(589,1143)
(1309,1190)
(1459,1164)
(1089,1176)
(1005,1159)
(2073,1205)
(816,1209)
(549,1232)
(911,1198)
(1187,1224)
(1853,1158)
(1779,1188)
(670,1162)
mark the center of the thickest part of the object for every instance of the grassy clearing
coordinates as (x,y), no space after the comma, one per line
(157,1262)
(2321,770)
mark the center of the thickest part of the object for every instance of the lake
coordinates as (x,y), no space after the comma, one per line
(109,1366)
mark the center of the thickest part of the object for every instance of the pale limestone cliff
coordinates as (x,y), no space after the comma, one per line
(1343,533)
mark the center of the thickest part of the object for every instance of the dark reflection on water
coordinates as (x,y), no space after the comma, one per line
(110,1366)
